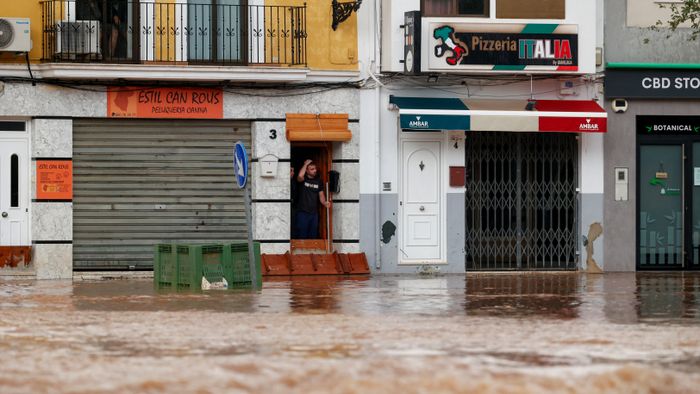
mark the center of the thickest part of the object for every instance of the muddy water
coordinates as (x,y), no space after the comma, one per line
(506,333)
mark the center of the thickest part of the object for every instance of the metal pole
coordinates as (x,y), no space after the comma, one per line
(251,251)
(328,220)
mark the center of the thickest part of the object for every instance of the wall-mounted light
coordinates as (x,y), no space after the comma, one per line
(342,11)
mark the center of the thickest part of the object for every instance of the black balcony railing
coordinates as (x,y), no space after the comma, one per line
(222,32)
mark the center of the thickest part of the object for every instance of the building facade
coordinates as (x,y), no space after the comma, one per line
(483,140)
(117,128)
(652,152)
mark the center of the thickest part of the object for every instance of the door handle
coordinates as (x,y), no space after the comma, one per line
(422,208)
(4,214)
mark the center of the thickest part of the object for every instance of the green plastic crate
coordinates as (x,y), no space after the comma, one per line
(165,270)
(214,262)
(240,268)
(189,271)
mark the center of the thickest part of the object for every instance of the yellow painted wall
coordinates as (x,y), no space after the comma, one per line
(327,49)
(23,9)
(165,19)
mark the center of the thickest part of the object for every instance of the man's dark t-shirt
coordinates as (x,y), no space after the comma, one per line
(307,195)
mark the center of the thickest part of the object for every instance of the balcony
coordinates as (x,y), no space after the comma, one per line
(182,32)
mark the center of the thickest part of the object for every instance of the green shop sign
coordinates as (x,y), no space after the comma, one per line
(668,125)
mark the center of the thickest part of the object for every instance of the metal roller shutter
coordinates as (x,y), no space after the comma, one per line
(138,183)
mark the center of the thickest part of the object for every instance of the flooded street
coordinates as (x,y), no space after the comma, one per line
(490,333)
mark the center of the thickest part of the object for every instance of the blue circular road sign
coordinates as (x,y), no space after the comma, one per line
(240,164)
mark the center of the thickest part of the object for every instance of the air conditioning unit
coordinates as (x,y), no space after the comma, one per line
(78,38)
(15,35)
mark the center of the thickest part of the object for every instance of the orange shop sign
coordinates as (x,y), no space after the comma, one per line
(165,103)
(54,180)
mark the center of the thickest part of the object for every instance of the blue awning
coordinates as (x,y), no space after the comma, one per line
(431,114)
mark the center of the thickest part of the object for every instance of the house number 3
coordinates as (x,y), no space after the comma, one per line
(273,134)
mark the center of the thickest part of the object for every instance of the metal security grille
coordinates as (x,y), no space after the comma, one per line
(138,183)
(521,201)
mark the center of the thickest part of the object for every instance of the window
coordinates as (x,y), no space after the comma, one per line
(12,126)
(645,13)
(103,26)
(14,181)
(531,9)
(88,10)
(455,7)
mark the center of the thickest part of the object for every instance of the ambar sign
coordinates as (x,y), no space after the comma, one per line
(178,103)
(419,124)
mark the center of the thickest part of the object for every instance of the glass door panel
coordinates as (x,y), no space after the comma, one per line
(695,258)
(199,30)
(661,206)
(214,30)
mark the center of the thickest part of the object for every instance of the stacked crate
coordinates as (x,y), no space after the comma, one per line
(182,267)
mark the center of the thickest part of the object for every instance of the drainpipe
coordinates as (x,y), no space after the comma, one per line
(376,30)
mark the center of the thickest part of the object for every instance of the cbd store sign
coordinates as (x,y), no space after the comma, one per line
(501,47)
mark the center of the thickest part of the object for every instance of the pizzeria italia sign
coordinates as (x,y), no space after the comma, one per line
(501,47)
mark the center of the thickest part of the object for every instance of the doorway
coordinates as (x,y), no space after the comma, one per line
(14,188)
(320,153)
(521,201)
(421,203)
(668,217)
(668,192)
(108,24)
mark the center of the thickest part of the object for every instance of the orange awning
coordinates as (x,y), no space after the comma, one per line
(323,127)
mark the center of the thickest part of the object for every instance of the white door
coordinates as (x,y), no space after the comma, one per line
(14,190)
(421,202)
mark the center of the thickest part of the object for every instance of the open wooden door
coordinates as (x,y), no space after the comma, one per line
(321,154)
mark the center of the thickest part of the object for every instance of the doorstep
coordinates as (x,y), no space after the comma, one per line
(289,264)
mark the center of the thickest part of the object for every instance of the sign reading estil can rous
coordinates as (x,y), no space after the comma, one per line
(501,47)
(165,103)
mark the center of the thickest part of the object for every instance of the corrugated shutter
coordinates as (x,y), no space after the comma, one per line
(138,183)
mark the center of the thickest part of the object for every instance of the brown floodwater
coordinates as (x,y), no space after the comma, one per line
(490,333)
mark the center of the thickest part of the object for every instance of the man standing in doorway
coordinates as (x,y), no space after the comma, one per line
(310,193)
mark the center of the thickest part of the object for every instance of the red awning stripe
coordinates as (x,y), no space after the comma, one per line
(576,116)
(567,116)
(573,125)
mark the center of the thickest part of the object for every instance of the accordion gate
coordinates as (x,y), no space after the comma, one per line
(521,201)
